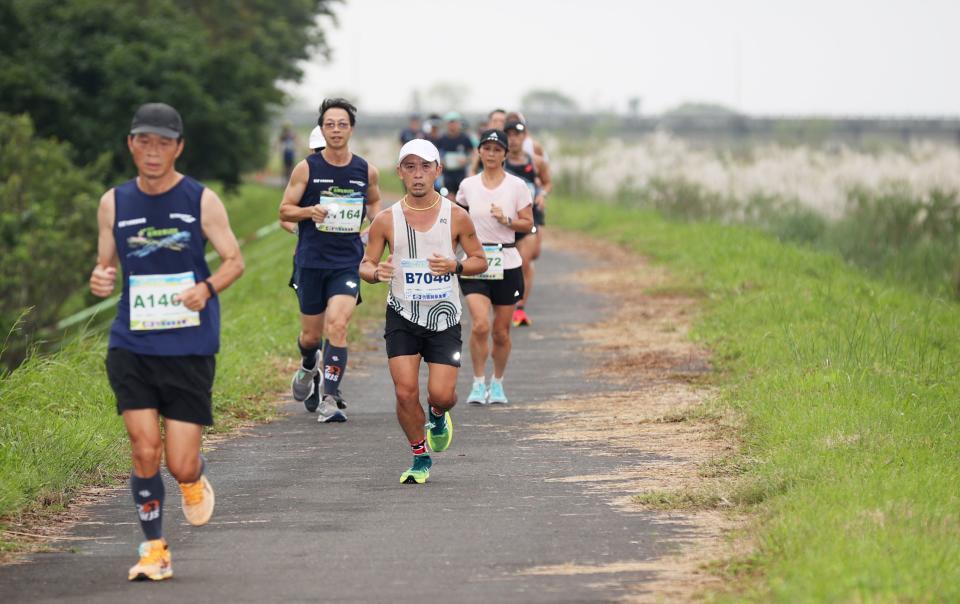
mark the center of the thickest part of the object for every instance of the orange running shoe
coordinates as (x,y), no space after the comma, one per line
(197,501)
(520,318)
(154,564)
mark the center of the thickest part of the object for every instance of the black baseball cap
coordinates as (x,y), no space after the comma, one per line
(515,125)
(497,136)
(157,118)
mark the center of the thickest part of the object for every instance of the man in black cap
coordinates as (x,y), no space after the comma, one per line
(163,342)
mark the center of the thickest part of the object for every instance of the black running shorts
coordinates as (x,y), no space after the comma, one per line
(502,292)
(178,387)
(539,219)
(407,338)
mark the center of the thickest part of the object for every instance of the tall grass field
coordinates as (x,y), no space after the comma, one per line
(848,388)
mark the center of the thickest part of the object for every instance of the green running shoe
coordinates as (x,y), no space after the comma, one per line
(419,472)
(440,433)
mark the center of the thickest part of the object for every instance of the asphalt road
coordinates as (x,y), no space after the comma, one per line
(311,512)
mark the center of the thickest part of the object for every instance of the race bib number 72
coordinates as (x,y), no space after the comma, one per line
(155,302)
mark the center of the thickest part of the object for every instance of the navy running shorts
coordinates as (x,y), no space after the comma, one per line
(315,287)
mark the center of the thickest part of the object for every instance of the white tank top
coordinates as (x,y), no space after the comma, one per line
(435,315)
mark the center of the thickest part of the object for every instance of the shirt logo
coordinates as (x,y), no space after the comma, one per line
(131,222)
(184,217)
(359,183)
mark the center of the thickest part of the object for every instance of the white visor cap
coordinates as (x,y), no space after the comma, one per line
(421,148)
(316,138)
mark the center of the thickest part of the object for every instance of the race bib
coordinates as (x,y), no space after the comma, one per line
(421,285)
(494,272)
(454,160)
(344,214)
(155,302)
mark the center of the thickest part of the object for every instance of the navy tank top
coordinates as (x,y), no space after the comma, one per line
(331,250)
(159,236)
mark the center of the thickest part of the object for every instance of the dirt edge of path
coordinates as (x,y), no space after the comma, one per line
(663,406)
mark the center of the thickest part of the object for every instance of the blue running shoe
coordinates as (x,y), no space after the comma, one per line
(419,472)
(478,394)
(496,395)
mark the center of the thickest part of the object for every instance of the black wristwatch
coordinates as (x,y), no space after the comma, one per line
(459,269)
(213,291)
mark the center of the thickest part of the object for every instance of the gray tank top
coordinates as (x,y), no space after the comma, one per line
(431,302)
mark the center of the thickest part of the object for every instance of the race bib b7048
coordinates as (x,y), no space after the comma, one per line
(420,284)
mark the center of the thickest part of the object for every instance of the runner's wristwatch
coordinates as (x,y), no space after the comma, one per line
(459,269)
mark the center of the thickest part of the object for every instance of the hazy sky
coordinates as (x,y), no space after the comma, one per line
(800,57)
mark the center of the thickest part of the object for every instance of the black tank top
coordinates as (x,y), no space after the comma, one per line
(525,171)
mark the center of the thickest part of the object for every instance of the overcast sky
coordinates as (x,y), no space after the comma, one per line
(762,57)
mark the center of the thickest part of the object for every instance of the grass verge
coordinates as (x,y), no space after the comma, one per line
(58,426)
(847,386)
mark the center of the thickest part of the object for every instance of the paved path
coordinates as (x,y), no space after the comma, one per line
(310,512)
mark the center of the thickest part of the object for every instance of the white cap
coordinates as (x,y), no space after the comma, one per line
(421,148)
(316,138)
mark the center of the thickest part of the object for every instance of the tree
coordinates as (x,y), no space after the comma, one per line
(80,68)
(48,228)
(548,102)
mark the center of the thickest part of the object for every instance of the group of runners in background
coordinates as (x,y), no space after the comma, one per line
(526,158)
(428,248)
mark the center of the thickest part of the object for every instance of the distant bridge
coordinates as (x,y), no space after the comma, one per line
(726,129)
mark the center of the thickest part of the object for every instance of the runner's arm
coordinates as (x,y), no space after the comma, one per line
(373,191)
(546,181)
(104,275)
(290,210)
(216,228)
(466,235)
(523,223)
(372,270)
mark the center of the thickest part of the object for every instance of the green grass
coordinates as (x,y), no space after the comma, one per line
(58,426)
(847,386)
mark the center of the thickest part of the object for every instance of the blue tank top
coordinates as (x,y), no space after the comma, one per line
(319,249)
(162,235)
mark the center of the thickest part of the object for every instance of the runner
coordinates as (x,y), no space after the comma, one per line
(160,358)
(287,141)
(457,153)
(535,172)
(497,119)
(423,303)
(413,130)
(329,195)
(499,204)
(531,146)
